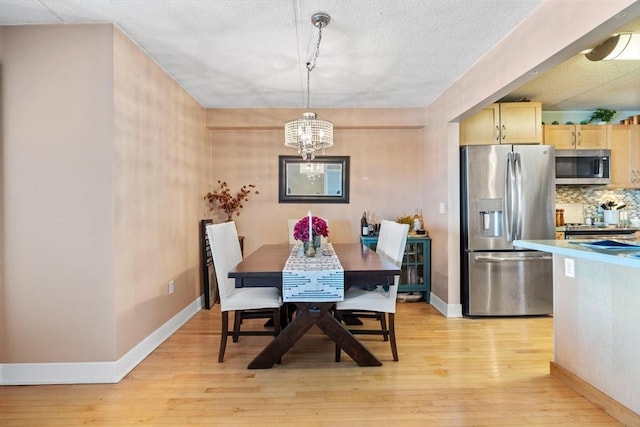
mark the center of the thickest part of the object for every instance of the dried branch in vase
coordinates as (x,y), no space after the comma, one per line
(222,199)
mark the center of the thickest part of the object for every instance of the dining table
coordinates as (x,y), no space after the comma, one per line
(362,267)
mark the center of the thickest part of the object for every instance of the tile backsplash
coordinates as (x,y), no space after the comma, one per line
(591,196)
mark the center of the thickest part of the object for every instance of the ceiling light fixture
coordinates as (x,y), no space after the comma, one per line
(310,134)
(621,46)
(312,170)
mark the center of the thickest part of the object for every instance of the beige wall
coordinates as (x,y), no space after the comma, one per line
(160,172)
(553,32)
(3,318)
(103,159)
(58,215)
(385,165)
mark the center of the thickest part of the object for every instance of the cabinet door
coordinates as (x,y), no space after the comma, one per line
(591,137)
(563,137)
(521,123)
(634,156)
(624,141)
(481,128)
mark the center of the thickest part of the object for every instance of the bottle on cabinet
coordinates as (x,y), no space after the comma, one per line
(364,225)
(417,221)
(372,225)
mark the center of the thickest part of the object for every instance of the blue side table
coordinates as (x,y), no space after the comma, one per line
(416,264)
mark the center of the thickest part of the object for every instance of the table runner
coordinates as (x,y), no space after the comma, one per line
(312,279)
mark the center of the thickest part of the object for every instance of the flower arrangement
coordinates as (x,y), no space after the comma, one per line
(318,226)
(225,201)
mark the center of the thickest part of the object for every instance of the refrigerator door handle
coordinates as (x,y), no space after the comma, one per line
(518,196)
(518,259)
(509,198)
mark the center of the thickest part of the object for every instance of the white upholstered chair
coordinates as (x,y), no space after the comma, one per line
(378,303)
(292,223)
(244,302)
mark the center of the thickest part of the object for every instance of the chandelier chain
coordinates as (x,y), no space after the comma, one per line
(310,134)
(312,64)
(317,52)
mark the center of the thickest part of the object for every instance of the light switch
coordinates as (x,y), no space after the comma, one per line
(569,268)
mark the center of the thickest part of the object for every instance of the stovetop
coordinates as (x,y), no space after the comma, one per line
(597,228)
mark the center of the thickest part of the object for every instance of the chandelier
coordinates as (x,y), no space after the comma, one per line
(310,134)
(312,170)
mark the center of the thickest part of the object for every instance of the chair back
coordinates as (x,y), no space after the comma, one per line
(292,223)
(226,254)
(392,240)
(391,245)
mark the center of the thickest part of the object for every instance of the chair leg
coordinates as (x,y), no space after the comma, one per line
(383,325)
(237,321)
(277,325)
(338,350)
(392,336)
(223,336)
(286,314)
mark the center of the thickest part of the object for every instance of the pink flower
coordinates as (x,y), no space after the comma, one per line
(301,229)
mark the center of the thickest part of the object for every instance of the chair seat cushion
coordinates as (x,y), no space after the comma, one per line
(362,299)
(252,298)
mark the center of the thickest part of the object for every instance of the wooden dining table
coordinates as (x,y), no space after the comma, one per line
(362,266)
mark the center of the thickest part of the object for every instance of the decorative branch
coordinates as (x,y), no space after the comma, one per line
(223,200)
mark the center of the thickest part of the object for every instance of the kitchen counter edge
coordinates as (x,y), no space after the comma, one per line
(563,247)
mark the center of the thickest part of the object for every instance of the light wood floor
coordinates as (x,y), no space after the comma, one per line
(452,372)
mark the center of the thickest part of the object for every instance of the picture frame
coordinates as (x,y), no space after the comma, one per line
(322,180)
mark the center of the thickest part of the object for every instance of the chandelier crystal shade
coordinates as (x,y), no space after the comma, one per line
(310,134)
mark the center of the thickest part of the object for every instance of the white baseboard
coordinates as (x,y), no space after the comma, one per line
(448,310)
(96,372)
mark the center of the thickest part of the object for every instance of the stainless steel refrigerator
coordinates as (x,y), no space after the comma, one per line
(507,193)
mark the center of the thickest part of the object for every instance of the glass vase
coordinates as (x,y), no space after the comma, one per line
(314,249)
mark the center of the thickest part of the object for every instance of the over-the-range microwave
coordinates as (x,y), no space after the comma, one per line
(583,166)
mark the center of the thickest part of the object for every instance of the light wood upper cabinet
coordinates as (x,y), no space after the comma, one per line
(580,137)
(624,142)
(482,127)
(505,123)
(521,122)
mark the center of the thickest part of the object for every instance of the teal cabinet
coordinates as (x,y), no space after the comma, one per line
(416,264)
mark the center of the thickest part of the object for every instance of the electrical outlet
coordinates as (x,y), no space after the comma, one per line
(171,287)
(569,268)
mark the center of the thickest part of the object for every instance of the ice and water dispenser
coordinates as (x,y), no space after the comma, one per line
(490,217)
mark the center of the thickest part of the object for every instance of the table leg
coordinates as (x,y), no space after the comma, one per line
(345,339)
(308,315)
(280,344)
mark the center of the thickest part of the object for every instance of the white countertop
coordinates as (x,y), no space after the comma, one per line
(574,249)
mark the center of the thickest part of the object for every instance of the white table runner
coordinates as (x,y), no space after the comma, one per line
(313,279)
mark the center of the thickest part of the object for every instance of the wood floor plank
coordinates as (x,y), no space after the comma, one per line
(452,372)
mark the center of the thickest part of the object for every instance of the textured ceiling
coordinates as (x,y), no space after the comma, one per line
(374,53)
(580,84)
